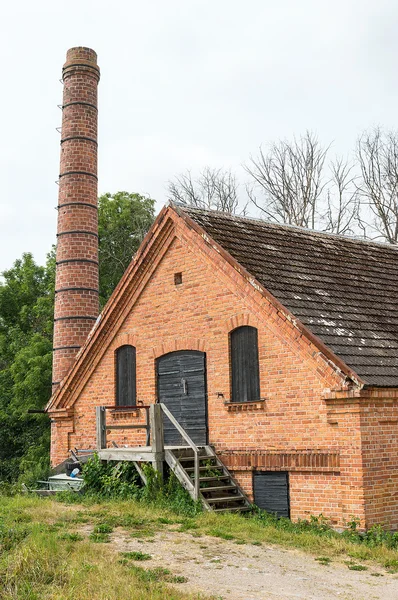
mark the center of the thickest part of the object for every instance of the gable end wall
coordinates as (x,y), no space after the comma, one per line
(289,431)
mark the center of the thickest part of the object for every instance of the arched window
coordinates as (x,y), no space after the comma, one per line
(125,376)
(244,364)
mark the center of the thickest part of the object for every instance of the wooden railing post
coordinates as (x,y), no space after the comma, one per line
(156,424)
(100,418)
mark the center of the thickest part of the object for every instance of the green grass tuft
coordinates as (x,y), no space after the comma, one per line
(136,555)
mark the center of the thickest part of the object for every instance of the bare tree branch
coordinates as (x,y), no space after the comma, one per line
(290,176)
(295,187)
(214,189)
(377,153)
(343,206)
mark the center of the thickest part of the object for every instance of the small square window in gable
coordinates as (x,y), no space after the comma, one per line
(177,278)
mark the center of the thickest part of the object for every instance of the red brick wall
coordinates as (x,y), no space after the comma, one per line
(291,425)
(379,430)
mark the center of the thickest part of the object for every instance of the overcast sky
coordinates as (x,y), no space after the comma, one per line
(184,84)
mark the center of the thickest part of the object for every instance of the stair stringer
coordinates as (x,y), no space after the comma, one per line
(175,465)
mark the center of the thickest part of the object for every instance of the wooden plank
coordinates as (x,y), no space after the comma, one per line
(156,425)
(183,478)
(140,473)
(127,454)
(100,420)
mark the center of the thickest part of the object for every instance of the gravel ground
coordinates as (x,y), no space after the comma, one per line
(229,571)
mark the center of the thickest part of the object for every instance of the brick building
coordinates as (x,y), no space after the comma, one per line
(276,345)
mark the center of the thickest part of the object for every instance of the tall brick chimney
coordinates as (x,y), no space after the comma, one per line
(76,285)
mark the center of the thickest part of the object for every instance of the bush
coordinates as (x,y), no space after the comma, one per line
(121,481)
(168,493)
(111,481)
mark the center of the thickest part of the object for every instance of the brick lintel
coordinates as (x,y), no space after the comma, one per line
(299,460)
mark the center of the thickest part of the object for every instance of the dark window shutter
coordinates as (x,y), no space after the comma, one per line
(125,376)
(271,492)
(244,364)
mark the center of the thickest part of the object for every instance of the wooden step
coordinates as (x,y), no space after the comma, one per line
(210,468)
(236,498)
(233,509)
(217,488)
(214,478)
(192,458)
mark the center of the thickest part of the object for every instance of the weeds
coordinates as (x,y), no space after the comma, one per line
(324,560)
(103,528)
(99,538)
(355,567)
(136,555)
(107,481)
(71,537)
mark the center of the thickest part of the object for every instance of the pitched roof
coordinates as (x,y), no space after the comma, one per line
(345,291)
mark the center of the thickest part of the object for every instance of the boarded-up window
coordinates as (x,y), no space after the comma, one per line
(271,492)
(244,365)
(125,376)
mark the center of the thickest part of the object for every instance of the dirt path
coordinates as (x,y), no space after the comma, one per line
(247,572)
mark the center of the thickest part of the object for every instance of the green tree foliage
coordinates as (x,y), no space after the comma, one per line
(123,221)
(26,328)
(26,311)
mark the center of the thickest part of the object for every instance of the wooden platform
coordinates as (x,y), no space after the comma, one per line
(135,454)
(198,468)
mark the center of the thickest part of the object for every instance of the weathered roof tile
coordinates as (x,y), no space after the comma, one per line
(344,290)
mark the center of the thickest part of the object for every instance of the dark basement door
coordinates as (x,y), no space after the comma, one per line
(271,492)
(182,388)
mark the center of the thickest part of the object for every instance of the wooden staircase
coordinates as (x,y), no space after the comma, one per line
(218,490)
(198,468)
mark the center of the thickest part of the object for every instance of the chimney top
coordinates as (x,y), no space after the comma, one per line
(80,59)
(81,53)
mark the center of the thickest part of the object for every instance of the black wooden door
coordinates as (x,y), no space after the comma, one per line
(271,492)
(182,388)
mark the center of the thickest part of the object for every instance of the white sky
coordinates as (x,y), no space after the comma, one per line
(185,83)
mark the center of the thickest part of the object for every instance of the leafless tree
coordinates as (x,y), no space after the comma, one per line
(297,186)
(214,189)
(377,152)
(290,175)
(342,215)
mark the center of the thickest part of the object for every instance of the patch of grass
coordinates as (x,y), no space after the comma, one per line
(187,525)
(324,560)
(99,538)
(156,574)
(71,537)
(177,579)
(28,523)
(142,533)
(136,555)
(103,528)
(165,521)
(355,567)
(37,565)
(221,534)
(391,565)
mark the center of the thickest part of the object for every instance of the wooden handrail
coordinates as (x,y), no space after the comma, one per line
(102,427)
(192,444)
